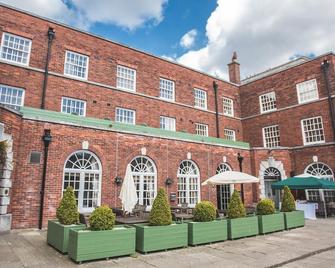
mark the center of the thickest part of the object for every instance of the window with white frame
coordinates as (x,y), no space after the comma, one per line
(229,134)
(76,65)
(307,91)
(228,107)
(271,136)
(11,96)
(166,89)
(321,170)
(126,78)
(312,130)
(267,102)
(73,106)
(201,129)
(15,48)
(125,116)
(167,123)
(200,98)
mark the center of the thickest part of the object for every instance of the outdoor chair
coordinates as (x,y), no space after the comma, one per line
(84,219)
(139,210)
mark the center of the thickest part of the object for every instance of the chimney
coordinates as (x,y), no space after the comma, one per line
(234,70)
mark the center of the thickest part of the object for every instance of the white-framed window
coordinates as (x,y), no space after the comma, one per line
(271,136)
(188,184)
(228,107)
(73,106)
(166,89)
(126,78)
(321,170)
(76,65)
(201,129)
(167,123)
(200,98)
(11,96)
(307,91)
(224,191)
(312,130)
(125,116)
(267,102)
(229,134)
(15,48)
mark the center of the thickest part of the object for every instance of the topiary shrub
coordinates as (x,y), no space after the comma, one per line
(160,213)
(236,208)
(288,202)
(102,218)
(204,211)
(67,212)
(265,207)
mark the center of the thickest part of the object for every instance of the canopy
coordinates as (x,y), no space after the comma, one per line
(230,177)
(304,182)
(128,193)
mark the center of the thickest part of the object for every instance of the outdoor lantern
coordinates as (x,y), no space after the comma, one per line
(47,138)
(168,181)
(118,180)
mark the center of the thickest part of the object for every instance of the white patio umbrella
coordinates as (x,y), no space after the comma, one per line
(128,193)
(230,177)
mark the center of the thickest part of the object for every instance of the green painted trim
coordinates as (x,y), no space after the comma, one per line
(294,219)
(155,238)
(58,234)
(242,227)
(62,118)
(271,223)
(87,245)
(207,232)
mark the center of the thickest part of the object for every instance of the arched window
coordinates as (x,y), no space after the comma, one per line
(145,177)
(271,175)
(222,168)
(188,183)
(82,171)
(223,192)
(320,169)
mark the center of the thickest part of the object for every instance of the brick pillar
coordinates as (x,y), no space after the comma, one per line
(234,70)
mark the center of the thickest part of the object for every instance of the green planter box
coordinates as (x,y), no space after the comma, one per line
(207,232)
(155,238)
(242,227)
(92,245)
(271,223)
(58,234)
(294,219)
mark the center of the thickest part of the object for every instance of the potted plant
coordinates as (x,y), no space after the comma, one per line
(293,218)
(240,225)
(67,218)
(160,233)
(205,228)
(102,239)
(268,220)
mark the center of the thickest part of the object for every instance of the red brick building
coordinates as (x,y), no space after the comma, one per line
(106,105)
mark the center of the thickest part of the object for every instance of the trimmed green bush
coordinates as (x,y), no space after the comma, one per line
(67,212)
(160,213)
(102,218)
(236,208)
(204,211)
(265,207)
(288,202)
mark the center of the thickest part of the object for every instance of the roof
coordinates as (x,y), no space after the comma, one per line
(108,125)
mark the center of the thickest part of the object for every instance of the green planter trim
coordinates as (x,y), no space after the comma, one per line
(92,245)
(294,219)
(242,227)
(271,223)
(155,238)
(207,232)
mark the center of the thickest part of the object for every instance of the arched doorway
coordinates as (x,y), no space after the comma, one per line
(271,175)
(82,171)
(188,183)
(223,192)
(144,173)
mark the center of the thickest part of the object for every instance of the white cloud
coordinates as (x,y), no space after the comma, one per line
(264,33)
(188,39)
(83,13)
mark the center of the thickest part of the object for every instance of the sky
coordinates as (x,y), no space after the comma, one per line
(203,34)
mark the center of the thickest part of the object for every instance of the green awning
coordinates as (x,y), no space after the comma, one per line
(302,183)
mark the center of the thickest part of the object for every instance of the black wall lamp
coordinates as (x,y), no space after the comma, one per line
(169,181)
(118,180)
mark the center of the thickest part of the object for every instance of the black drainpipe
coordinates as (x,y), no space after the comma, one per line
(215,87)
(46,140)
(325,68)
(51,35)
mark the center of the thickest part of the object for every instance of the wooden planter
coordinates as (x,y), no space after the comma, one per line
(271,223)
(242,227)
(294,219)
(155,238)
(207,232)
(58,234)
(92,245)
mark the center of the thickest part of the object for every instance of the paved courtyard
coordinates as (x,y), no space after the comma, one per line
(311,246)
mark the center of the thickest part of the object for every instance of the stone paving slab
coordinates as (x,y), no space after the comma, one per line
(28,248)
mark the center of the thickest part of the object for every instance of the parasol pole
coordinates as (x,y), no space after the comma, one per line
(324,201)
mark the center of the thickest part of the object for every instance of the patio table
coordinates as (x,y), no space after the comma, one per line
(183,216)
(131,220)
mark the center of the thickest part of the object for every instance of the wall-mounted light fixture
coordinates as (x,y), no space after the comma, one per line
(118,180)
(168,181)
